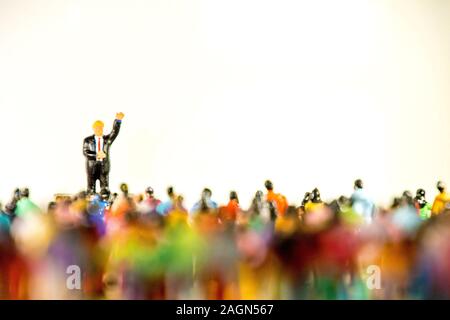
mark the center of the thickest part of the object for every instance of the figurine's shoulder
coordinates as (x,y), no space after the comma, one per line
(89,138)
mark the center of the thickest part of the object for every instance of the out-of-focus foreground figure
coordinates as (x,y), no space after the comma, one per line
(133,246)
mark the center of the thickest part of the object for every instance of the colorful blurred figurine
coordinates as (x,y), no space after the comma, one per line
(361,203)
(441,200)
(422,205)
(165,207)
(96,150)
(305,200)
(25,206)
(205,199)
(277,199)
(228,213)
(10,207)
(315,202)
(150,201)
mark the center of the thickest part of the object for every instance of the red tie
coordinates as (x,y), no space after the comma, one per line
(98,144)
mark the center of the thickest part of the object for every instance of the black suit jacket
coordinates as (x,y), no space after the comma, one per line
(89,147)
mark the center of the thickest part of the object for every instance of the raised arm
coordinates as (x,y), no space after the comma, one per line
(116,127)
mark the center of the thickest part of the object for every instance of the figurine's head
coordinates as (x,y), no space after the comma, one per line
(344,201)
(407,194)
(170,192)
(149,191)
(97,126)
(206,194)
(257,200)
(420,198)
(306,198)
(315,196)
(17,194)
(24,193)
(234,196)
(358,184)
(407,198)
(420,193)
(51,206)
(179,202)
(269,185)
(124,188)
(441,186)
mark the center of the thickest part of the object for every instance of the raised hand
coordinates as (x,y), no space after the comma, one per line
(119,115)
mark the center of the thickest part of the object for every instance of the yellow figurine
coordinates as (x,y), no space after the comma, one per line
(441,200)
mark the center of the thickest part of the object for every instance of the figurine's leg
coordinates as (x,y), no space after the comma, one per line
(104,181)
(91,178)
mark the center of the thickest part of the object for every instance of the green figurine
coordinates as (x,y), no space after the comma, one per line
(422,205)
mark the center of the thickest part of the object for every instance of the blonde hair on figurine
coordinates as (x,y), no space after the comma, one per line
(98,123)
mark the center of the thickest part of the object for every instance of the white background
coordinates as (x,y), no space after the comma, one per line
(226,94)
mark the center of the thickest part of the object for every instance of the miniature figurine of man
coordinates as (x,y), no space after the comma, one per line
(204,200)
(361,203)
(442,199)
(96,150)
(278,199)
(422,205)
(228,213)
(315,202)
(149,204)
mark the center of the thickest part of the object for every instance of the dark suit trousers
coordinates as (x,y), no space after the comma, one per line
(97,170)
